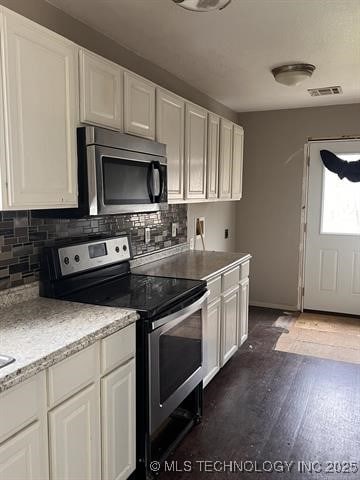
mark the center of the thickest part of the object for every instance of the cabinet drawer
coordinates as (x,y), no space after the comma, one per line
(244,270)
(72,374)
(21,405)
(214,287)
(117,348)
(230,278)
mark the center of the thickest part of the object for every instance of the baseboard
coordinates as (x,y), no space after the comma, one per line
(277,306)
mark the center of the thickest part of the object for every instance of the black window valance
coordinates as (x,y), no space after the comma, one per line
(344,169)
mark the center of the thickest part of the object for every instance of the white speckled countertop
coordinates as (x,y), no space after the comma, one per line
(39,332)
(192,264)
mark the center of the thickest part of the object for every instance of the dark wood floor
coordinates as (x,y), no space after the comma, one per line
(268,406)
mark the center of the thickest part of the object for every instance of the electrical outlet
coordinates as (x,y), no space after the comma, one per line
(147,235)
(173,229)
(226,233)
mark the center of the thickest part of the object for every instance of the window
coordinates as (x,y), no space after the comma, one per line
(340,202)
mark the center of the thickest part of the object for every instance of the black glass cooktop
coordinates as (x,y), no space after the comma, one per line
(147,294)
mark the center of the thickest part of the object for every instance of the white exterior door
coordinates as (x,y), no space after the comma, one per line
(41,85)
(101,91)
(332,255)
(118,422)
(75,437)
(170,112)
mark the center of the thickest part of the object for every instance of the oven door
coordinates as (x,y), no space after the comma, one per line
(122,181)
(175,359)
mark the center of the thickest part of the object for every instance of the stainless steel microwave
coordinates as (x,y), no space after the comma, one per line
(117,173)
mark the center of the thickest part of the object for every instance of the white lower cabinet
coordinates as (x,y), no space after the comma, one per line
(84,427)
(244,310)
(22,457)
(74,429)
(118,435)
(226,323)
(212,337)
(230,324)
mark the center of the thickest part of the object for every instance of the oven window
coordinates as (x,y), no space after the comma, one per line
(124,181)
(180,354)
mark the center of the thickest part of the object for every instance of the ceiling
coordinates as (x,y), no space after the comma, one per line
(228,54)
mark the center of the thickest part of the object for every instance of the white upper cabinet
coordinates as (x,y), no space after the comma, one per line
(195,152)
(139,106)
(40,71)
(213,156)
(101,91)
(170,111)
(237,162)
(226,146)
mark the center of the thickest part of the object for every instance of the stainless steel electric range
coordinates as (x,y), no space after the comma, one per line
(169,334)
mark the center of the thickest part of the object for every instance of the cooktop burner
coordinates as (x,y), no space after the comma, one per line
(147,294)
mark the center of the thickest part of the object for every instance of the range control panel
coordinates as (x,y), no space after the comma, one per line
(86,256)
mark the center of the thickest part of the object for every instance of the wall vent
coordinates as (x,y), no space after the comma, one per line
(319,92)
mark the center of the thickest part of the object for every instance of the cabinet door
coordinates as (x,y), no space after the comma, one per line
(230,316)
(195,148)
(101,91)
(41,84)
(23,457)
(243,311)
(237,162)
(226,134)
(212,341)
(139,106)
(170,130)
(75,437)
(213,156)
(118,422)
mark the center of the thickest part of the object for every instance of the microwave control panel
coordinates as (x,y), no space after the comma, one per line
(87,256)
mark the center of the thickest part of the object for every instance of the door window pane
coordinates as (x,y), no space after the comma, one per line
(341,202)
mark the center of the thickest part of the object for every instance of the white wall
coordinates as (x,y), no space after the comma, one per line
(268,216)
(218,216)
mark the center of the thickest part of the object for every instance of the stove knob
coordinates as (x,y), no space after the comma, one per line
(66,260)
(124,248)
(117,249)
(77,258)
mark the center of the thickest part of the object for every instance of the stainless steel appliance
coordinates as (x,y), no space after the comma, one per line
(169,348)
(117,173)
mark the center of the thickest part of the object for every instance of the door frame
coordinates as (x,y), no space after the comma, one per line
(304,210)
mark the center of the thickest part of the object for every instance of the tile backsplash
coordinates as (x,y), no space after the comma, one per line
(22,237)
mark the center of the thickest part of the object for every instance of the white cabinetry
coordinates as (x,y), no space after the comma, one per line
(237,162)
(118,422)
(212,341)
(226,147)
(84,427)
(74,429)
(21,457)
(213,156)
(195,152)
(40,72)
(101,91)
(170,130)
(139,106)
(230,324)
(226,324)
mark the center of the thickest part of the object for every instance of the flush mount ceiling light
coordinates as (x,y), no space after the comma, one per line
(292,75)
(202,5)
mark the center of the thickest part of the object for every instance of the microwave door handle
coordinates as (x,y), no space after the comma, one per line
(158,168)
(150,182)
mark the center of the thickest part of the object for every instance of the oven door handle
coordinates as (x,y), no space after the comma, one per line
(181,314)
